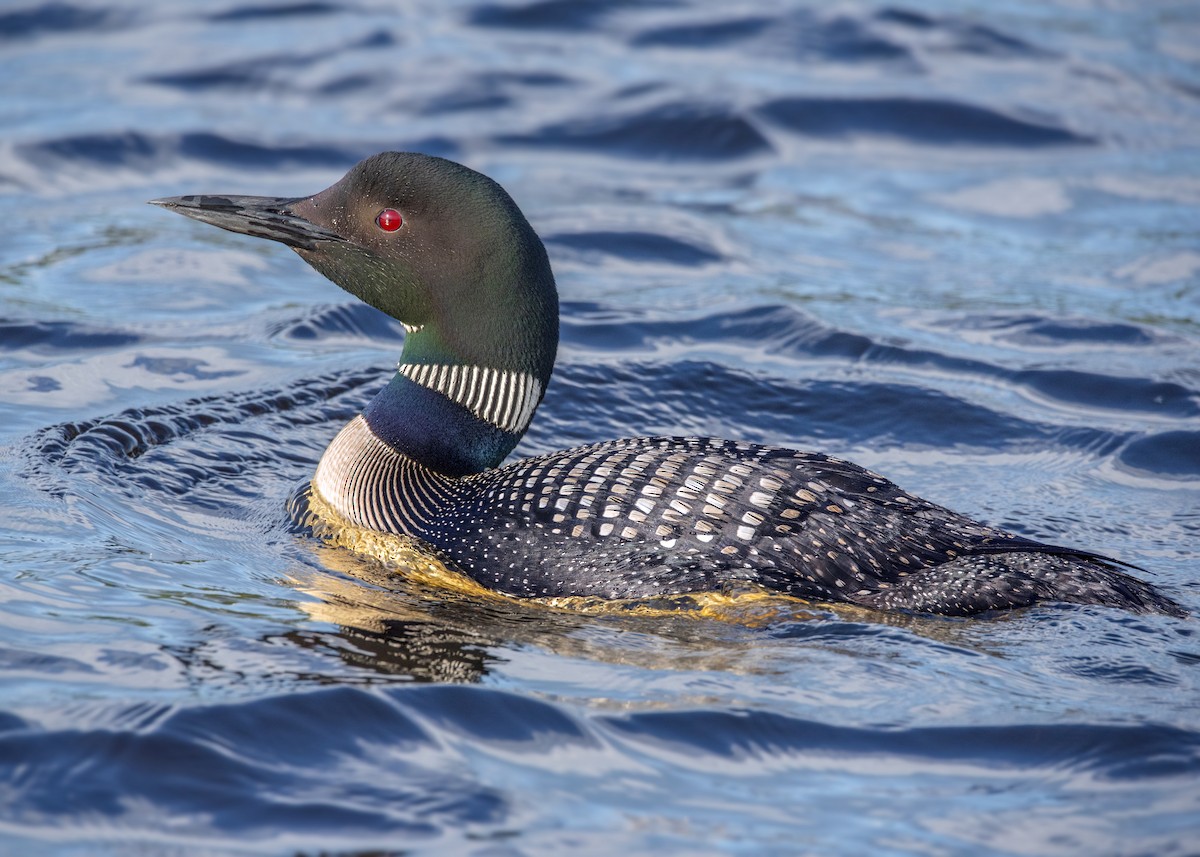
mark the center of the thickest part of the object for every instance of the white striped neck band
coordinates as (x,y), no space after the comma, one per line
(507,400)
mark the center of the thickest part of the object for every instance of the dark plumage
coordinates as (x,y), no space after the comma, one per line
(447,252)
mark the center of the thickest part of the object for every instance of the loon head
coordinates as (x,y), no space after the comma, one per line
(437,246)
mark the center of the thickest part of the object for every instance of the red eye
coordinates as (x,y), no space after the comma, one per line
(389,220)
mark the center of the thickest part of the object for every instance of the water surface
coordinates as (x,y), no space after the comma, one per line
(955,242)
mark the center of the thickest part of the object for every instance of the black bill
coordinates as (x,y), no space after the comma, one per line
(260,216)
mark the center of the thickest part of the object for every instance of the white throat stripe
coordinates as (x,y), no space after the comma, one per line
(507,400)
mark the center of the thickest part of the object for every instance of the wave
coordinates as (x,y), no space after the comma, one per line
(355,763)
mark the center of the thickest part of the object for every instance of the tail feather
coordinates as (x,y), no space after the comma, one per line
(987,581)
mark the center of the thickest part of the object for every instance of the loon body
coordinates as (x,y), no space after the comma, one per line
(447,252)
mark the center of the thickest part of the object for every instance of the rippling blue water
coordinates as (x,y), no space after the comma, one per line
(955,242)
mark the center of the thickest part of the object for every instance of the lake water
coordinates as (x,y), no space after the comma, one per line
(956,242)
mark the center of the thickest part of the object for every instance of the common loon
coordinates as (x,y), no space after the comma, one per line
(446,251)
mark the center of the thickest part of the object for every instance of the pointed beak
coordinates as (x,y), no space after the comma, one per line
(260,216)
